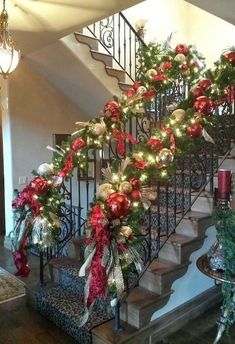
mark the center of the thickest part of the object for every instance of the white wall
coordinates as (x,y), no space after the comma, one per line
(163,18)
(35,110)
(210,34)
(190,25)
(193,282)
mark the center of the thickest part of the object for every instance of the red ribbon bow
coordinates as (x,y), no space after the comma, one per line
(120,137)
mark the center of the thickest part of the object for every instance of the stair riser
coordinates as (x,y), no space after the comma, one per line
(92,43)
(124,87)
(177,200)
(179,254)
(194,228)
(162,221)
(72,284)
(160,283)
(139,318)
(119,74)
(228,164)
(106,59)
(61,320)
(204,204)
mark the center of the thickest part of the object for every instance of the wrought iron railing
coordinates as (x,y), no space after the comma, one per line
(120,40)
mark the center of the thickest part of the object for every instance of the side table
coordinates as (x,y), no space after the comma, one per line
(203,265)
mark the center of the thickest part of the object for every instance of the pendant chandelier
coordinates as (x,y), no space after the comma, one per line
(9,56)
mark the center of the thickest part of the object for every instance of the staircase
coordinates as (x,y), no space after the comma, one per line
(175,227)
(61,300)
(124,81)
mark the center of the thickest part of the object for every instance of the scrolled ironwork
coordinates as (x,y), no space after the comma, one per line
(106,32)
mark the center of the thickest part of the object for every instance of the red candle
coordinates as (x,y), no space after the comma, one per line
(224,184)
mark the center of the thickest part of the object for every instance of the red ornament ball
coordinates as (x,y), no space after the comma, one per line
(40,185)
(166,65)
(78,144)
(194,130)
(135,183)
(205,83)
(137,84)
(181,49)
(136,195)
(203,105)
(131,92)
(111,110)
(118,204)
(230,57)
(155,144)
(197,91)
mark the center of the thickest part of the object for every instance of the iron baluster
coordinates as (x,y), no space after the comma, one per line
(124,45)
(130,53)
(119,39)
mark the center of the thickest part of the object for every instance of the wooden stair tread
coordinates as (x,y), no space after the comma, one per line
(115,69)
(195,215)
(141,298)
(163,267)
(125,84)
(85,36)
(179,239)
(205,194)
(79,240)
(100,53)
(63,261)
(105,332)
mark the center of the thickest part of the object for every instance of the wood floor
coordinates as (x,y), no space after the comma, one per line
(20,324)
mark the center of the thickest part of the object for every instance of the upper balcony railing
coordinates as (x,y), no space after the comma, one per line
(120,40)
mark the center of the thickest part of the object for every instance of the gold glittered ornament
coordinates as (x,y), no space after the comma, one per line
(197,116)
(180,58)
(179,115)
(98,129)
(104,190)
(126,231)
(125,187)
(151,73)
(165,157)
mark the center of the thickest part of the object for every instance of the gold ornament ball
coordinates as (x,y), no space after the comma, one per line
(104,190)
(179,115)
(197,116)
(165,157)
(180,58)
(45,169)
(141,90)
(150,73)
(126,231)
(98,129)
(126,187)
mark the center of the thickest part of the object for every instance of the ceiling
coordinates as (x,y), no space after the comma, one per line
(224,9)
(36,23)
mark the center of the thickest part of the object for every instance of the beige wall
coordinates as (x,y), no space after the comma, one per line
(210,34)
(36,111)
(163,18)
(189,24)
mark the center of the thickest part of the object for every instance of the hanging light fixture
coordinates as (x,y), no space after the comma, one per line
(9,56)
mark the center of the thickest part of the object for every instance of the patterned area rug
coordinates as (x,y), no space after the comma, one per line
(10,286)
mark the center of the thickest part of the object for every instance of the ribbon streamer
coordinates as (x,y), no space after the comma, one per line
(120,137)
(207,137)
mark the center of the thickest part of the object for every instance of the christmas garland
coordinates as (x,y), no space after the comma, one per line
(224,218)
(113,242)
